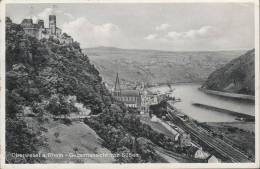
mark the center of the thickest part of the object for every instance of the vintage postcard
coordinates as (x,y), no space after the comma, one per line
(130,84)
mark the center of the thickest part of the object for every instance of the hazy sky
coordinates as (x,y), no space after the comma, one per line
(218,26)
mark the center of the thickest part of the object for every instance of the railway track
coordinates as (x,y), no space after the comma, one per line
(218,145)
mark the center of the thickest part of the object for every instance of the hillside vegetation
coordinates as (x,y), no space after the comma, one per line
(237,76)
(44,79)
(41,77)
(155,67)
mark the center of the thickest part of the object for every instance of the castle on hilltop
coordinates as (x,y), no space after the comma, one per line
(38,30)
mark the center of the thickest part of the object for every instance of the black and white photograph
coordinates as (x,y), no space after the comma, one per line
(130,83)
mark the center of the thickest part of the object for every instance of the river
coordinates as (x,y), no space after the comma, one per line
(189,93)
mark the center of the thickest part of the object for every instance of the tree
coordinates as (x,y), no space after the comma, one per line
(75,149)
(20,140)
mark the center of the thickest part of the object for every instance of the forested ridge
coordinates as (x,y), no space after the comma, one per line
(237,76)
(41,78)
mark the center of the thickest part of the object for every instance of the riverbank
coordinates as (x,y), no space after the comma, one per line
(246,126)
(226,94)
(173,84)
(240,116)
(189,93)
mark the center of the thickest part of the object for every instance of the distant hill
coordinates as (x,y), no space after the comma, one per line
(238,76)
(154,67)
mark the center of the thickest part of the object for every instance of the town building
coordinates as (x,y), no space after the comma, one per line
(148,98)
(39,31)
(131,98)
(213,159)
(200,154)
(139,98)
(183,139)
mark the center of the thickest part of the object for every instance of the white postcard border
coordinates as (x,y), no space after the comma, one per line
(128,166)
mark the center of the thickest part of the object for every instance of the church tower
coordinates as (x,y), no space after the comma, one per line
(52,24)
(117,89)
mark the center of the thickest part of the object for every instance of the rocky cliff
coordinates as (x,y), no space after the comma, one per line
(238,76)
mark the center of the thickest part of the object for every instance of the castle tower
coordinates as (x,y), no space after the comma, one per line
(52,24)
(117,89)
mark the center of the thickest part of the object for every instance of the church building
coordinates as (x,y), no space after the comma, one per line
(131,98)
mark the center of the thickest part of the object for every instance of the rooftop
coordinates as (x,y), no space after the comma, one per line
(130,93)
(28,23)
